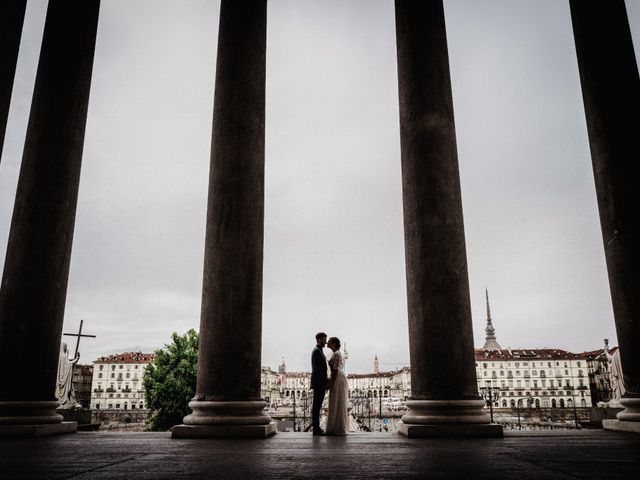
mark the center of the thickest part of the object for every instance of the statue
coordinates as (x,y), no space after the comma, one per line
(617,379)
(64,386)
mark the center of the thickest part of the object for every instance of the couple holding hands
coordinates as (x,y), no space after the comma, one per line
(336,384)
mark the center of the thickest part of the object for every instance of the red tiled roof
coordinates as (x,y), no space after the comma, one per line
(526,354)
(127,357)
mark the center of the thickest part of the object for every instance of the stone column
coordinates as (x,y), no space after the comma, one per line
(227,401)
(611,94)
(34,283)
(445,398)
(11,20)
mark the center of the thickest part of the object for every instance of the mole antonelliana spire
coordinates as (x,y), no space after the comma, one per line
(491,343)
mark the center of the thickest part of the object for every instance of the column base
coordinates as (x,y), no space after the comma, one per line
(216,419)
(490,430)
(447,418)
(38,430)
(29,412)
(621,426)
(224,431)
(631,412)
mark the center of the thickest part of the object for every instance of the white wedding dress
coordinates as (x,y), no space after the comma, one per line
(337,418)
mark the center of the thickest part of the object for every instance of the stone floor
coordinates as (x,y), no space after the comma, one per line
(592,454)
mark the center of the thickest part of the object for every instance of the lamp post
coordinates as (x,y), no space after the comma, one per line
(490,395)
(380,410)
(304,411)
(294,410)
(573,395)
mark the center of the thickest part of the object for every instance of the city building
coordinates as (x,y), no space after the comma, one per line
(82,380)
(295,384)
(117,381)
(376,384)
(534,377)
(531,378)
(599,370)
(401,383)
(269,385)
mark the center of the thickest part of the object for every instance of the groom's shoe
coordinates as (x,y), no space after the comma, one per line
(318,431)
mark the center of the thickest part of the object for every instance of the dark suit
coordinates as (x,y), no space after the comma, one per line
(318,384)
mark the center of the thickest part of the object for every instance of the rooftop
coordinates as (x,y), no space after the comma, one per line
(527,354)
(584,454)
(127,357)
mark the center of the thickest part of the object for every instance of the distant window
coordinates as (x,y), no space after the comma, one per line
(103,366)
(121,366)
(99,375)
(97,406)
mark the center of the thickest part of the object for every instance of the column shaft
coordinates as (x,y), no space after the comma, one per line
(231,319)
(11,21)
(440,330)
(227,401)
(611,94)
(34,283)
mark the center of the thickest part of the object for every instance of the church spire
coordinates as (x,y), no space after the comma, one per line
(491,343)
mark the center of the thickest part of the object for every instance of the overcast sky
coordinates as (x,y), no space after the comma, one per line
(334,253)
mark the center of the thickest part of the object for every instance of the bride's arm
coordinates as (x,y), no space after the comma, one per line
(334,371)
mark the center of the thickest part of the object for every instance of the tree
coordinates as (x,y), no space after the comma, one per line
(170,381)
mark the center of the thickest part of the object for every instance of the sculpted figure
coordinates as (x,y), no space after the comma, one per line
(617,380)
(64,387)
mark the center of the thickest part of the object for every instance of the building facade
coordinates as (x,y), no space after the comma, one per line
(269,385)
(599,368)
(118,381)
(528,378)
(82,383)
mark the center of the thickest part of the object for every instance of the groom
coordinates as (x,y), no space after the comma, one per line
(318,381)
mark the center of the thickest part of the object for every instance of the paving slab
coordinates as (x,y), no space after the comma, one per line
(524,455)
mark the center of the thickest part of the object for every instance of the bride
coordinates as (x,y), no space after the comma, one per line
(337,419)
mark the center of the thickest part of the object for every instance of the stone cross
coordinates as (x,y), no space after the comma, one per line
(79,334)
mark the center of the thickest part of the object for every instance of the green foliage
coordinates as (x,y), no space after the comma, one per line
(170,381)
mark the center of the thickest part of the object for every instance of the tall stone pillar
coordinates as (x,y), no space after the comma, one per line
(445,398)
(36,269)
(11,20)
(611,94)
(227,401)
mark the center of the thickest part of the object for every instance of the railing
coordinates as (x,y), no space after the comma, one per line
(111,390)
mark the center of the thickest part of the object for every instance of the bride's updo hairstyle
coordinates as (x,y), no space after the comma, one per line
(336,341)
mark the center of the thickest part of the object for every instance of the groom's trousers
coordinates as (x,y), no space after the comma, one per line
(318,398)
